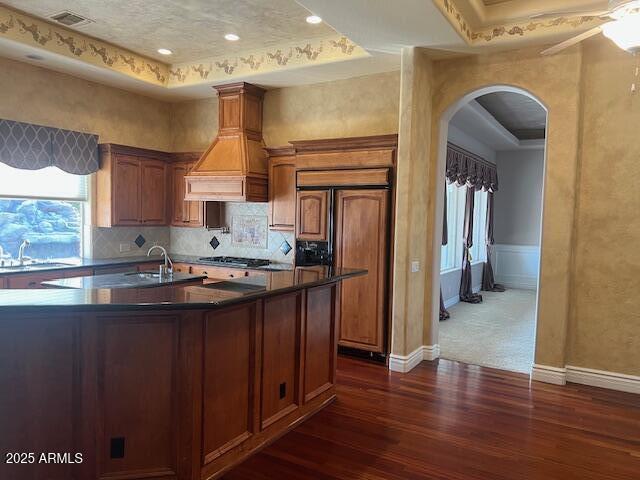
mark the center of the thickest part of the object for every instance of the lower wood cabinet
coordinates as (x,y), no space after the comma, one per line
(229,403)
(137,372)
(280,354)
(163,394)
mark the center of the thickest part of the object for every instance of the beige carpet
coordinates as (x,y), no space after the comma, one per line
(499,332)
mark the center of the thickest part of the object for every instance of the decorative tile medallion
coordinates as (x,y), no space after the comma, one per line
(215,243)
(140,241)
(285,247)
(249,231)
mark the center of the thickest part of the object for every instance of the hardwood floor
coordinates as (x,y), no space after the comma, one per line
(448,420)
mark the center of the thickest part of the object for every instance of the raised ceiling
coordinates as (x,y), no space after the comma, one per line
(525,118)
(192,29)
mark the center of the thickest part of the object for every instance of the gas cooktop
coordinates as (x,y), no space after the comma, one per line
(236,261)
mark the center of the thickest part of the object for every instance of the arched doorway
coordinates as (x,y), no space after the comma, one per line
(499,332)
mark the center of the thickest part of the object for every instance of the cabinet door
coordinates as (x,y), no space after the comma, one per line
(361,242)
(194,211)
(126,190)
(153,192)
(282,194)
(183,213)
(312,215)
(178,171)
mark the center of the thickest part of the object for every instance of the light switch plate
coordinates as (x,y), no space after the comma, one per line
(415,266)
(125,247)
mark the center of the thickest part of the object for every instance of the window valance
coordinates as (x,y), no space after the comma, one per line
(32,147)
(466,168)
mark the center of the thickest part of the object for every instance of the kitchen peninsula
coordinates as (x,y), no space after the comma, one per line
(172,382)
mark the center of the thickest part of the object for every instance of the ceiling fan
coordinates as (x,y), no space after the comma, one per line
(623,28)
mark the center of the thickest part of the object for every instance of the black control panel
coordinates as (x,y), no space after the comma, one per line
(312,253)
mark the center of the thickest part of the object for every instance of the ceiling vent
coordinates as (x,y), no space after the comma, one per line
(70,19)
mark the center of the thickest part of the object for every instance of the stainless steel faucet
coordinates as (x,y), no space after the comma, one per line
(21,256)
(167,268)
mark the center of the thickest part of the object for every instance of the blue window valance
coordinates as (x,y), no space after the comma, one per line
(32,147)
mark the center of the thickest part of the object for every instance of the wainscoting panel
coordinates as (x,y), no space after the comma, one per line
(516,266)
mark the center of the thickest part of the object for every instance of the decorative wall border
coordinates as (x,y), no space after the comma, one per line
(315,51)
(510,31)
(30,31)
(22,28)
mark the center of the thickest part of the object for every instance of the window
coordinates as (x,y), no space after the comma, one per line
(45,207)
(451,254)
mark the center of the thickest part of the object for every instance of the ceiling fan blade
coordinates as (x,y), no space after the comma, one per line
(572,41)
(576,13)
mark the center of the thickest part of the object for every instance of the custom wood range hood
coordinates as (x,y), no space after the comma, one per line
(234,167)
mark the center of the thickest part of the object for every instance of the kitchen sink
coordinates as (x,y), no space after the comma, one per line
(143,274)
(33,266)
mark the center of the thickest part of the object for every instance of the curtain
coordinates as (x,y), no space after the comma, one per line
(488,282)
(466,292)
(32,147)
(444,314)
(466,168)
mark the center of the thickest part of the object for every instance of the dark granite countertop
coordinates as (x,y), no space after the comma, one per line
(71,263)
(182,296)
(123,280)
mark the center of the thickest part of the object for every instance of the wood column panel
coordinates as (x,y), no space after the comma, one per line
(320,341)
(39,360)
(137,408)
(229,373)
(280,356)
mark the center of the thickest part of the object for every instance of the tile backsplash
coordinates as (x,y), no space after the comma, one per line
(106,242)
(250,243)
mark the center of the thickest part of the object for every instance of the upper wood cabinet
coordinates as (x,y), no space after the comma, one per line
(312,212)
(282,188)
(131,187)
(183,213)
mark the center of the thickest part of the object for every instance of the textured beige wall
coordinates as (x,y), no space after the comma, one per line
(194,124)
(346,108)
(555,81)
(413,181)
(354,107)
(605,322)
(44,97)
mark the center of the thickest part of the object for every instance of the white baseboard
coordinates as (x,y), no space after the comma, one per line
(517,281)
(406,363)
(603,379)
(548,374)
(450,302)
(516,266)
(430,352)
(586,376)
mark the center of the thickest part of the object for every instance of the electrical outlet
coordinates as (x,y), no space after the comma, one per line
(415,266)
(125,247)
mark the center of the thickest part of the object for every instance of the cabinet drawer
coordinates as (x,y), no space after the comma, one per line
(181,268)
(221,273)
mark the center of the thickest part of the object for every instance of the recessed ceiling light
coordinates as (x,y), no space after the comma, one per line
(164,51)
(314,19)
(232,37)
